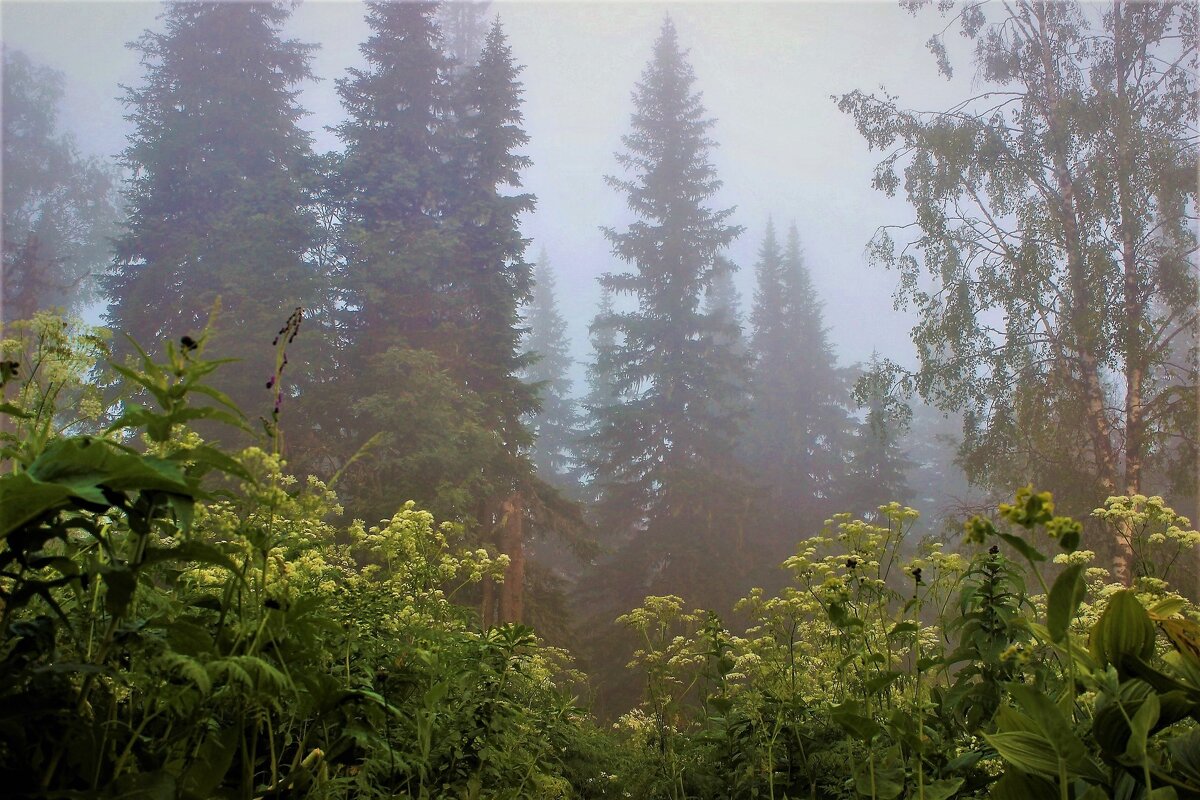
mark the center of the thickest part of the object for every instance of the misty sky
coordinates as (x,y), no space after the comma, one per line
(766,70)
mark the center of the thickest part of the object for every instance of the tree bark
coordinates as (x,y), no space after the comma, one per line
(1099,426)
(512,544)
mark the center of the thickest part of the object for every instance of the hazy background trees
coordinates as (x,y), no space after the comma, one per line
(60,206)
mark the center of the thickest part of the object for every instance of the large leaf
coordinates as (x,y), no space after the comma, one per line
(943,789)
(193,551)
(1140,726)
(84,463)
(1050,720)
(1123,631)
(23,500)
(1014,785)
(1185,755)
(1023,547)
(120,582)
(884,784)
(1185,635)
(1028,752)
(213,758)
(205,458)
(1065,596)
(849,715)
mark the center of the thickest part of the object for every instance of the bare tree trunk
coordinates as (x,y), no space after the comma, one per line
(1133,304)
(487,607)
(512,544)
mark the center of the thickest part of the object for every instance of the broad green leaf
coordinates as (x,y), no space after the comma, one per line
(1167,607)
(1015,785)
(1140,726)
(853,721)
(1065,596)
(219,396)
(120,582)
(881,682)
(84,463)
(210,458)
(192,551)
(23,500)
(1008,719)
(211,763)
(1163,793)
(1185,755)
(1055,728)
(1185,635)
(942,789)
(153,381)
(157,785)
(1028,752)
(1123,630)
(884,784)
(1023,547)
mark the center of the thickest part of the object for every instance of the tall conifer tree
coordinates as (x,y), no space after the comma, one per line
(435,276)
(394,183)
(670,481)
(496,278)
(556,424)
(601,394)
(58,207)
(878,464)
(217,201)
(799,420)
(723,303)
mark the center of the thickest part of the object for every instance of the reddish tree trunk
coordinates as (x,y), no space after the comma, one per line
(512,544)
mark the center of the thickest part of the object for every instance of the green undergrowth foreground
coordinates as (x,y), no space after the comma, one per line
(180,621)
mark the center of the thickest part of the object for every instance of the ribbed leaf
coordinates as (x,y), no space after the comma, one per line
(1124,630)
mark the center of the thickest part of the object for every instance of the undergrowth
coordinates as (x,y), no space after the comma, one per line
(182,621)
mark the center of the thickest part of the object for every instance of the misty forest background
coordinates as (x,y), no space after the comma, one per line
(1044,260)
(715,427)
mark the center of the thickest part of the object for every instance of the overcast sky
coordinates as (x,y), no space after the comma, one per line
(766,70)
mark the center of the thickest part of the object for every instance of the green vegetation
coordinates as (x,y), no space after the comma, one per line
(371,577)
(183,622)
(179,621)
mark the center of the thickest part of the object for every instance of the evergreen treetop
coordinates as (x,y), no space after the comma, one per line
(663,452)
(799,422)
(218,193)
(556,424)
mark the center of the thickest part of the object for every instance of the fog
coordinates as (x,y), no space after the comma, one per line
(998,300)
(767,71)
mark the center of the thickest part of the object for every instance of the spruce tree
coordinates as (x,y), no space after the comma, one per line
(217,201)
(435,274)
(395,186)
(419,428)
(799,420)
(496,278)
(435,258)
(878,466)
(556,424)
(58,206)
(665,449)
(601,394)
(464,29)
(723,303)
